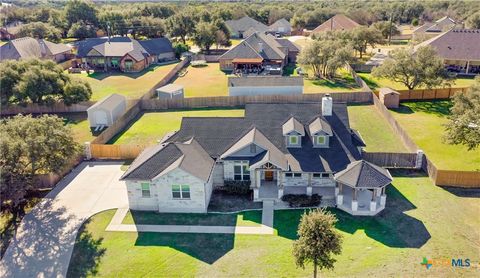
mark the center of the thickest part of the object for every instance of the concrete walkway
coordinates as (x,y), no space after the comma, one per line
(117,226)
(267,213)
(43,244)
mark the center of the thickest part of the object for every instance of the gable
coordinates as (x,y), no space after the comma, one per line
(94,53)
(242,50)
(246,151)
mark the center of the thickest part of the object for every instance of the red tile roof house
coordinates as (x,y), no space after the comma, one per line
(459,49)
(302,148)
(338,22)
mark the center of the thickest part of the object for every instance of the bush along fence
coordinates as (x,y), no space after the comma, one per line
(439,177)
(429,94)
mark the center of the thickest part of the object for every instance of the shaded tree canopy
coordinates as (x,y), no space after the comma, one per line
(464,125)
(40,30)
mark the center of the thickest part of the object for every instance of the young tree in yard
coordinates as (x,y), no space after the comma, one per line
(205,35)
(180,25)
(361,37)
(317,240)
(464,125)
(29,147)
(77,91)
(414,69)
(325,55)
(473,21)
(386,28)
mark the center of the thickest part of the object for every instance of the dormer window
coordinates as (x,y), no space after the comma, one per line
(321,131)
(293,130)
(320,140)
(293,140)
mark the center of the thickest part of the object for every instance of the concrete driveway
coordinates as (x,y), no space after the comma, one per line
(44,241)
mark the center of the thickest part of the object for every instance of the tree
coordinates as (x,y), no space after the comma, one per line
(464,125)
(80,10)
(414,68)
(180,25)
(386,28)
(325,55)
(179,48)
(473,21)
(317,240)
(361,37)
(81,31)
(77,91)
(28,147)
(205,35)
(40,30)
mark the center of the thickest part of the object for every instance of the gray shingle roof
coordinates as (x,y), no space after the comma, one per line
(320,126)
(461,44)
(282,22)
(288,44)
(27,47)
(264,81)
(244,23)
(293,125)
(337,22)
(257,45)
(157,46)
(364,174)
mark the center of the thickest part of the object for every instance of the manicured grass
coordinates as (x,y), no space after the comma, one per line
(374,129)
(343,82)
(80,126)
(132,85)
(204,81)
(248,218)
(424,123)
(420,220)
(376,83)
(151,127)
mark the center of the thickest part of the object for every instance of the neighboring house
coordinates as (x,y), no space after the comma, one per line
(238,27)
(265,85)
(28,48)
(301,148)
(257,53)
(459,49)
(338,22)
(124,53)
(433,29)
(10,31)
(281,27)
(106,111)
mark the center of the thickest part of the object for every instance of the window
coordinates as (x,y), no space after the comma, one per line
(288,175)
(316,175)
(180,191)
(325,175)
(320,140)
(253,148)
(241,171)
(297,175)
(293,140)
(145,190)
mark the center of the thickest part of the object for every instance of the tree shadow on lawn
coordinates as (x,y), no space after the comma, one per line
(133,75)
(392,227)
(335,83)
(205,247)
(370,83)
(439,108)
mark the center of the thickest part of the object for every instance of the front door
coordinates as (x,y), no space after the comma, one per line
(268,175)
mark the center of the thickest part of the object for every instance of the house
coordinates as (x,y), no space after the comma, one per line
(265,85)
(238,27)
(170,91)
(123,53)
(259,53)
(10,31)
(433,29)
(339,22)
(296,148)
(281,27)
(106,111)
(459,49)
(28,48)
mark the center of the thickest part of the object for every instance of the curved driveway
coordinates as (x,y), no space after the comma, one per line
(44,241)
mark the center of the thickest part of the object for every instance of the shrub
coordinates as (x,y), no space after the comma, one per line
(236,187)
(299,201)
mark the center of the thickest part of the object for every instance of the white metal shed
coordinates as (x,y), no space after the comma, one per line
(170,91)
(106,111)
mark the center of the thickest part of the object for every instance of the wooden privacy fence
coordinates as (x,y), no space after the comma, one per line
(167,78)
(429,94)
(360,82)
(102,151)
(33,108)
(391,160)
(451,177)
(236,101)
(49,180)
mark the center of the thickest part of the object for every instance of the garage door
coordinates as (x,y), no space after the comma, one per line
(101,118)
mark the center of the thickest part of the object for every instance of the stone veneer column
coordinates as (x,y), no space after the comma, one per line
(339,194)
(373,202)
(354,200)
(383,197)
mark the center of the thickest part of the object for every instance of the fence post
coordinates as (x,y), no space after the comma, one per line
(419,159)
(88,151)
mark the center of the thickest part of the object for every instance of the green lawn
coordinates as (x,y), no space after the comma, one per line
(151,127)
(375,83)
(80,126)
(424,123)
(374,129)
(420,220)
(132,85)
(344,82)
(248,218)
(204,81)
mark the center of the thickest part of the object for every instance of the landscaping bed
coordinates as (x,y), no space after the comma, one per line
(374,129)
(152,126)
(420,220)
(424,122)
(221,201)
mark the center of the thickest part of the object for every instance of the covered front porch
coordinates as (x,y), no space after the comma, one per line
(361,201)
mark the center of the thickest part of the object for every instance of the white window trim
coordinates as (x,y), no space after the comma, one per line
(181,192)
(290,137)
(318,138)
(240,163)
(149,190)
(293,175)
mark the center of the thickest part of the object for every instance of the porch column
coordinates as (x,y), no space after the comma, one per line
(339,194)
(468,67)
(280,184)
(354,200)
(383,197)
(309,184)
(373,203)
(257,184)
